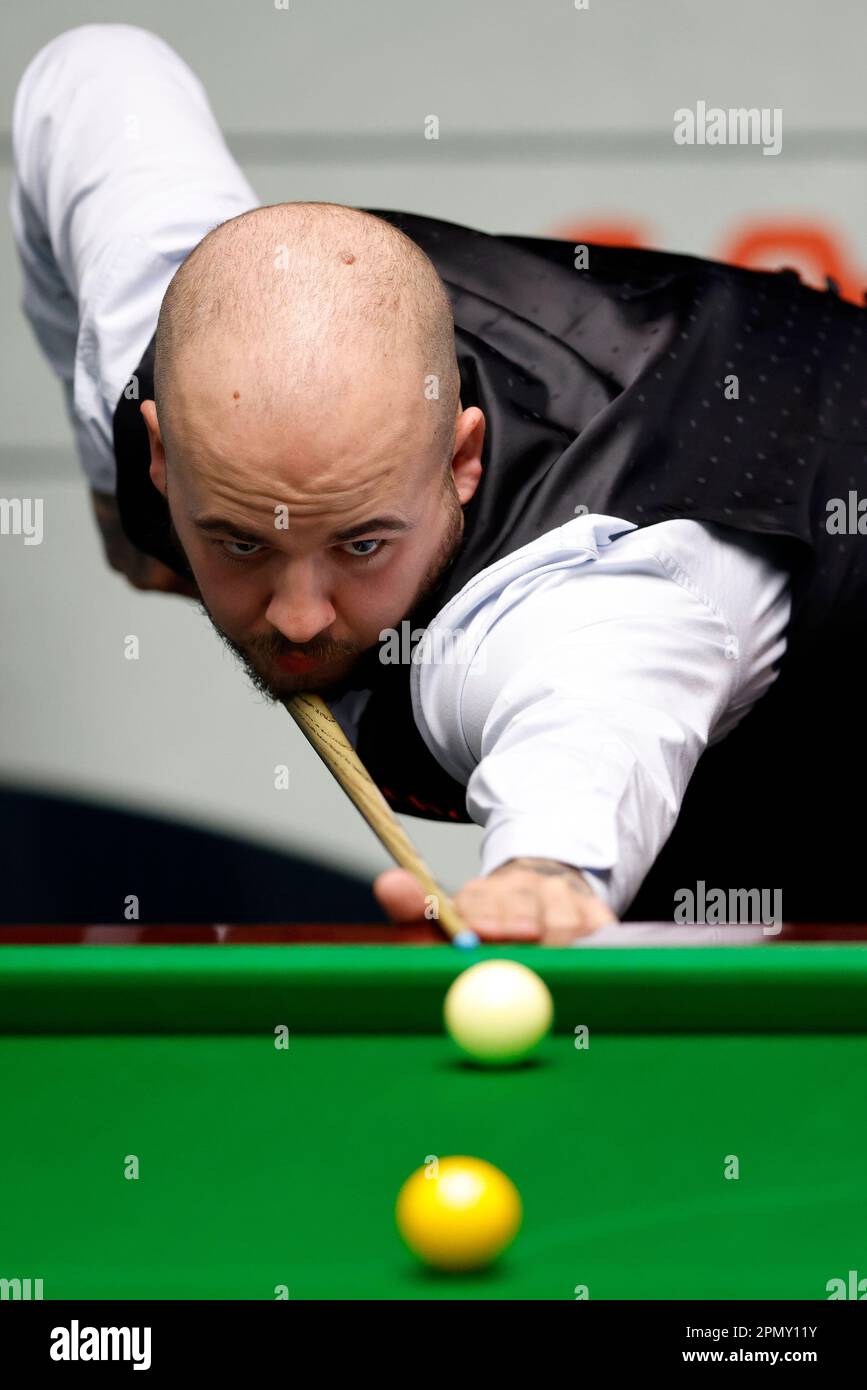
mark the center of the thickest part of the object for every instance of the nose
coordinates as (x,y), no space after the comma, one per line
(300,607)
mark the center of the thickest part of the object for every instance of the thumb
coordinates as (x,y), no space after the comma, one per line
(400,895)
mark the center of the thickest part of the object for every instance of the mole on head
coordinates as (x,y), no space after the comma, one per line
(236,395)
(347,258)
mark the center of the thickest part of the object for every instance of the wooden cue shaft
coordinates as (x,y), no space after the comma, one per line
(325,735)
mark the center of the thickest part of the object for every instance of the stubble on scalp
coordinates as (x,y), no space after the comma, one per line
(305,299)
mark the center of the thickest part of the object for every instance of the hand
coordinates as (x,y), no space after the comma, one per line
(142,571)
(524,900)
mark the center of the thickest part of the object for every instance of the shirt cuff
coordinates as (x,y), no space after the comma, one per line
(522,839)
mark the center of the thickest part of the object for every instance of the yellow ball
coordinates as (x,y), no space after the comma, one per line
(458,1215)
(498,1011)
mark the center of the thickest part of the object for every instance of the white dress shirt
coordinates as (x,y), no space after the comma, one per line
(595,664)
(594,673)
(120,170)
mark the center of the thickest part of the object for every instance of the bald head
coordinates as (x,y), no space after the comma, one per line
(308,435)
(309,312)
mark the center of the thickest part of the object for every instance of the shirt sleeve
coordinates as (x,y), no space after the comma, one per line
(594,688)
(120,170)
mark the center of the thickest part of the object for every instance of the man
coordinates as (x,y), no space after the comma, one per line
(597,489)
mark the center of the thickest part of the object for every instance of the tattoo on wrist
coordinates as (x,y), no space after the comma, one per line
(552,868)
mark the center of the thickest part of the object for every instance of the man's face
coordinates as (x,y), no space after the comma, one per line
(305,553)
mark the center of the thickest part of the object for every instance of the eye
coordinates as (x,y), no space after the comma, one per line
(244,549)
(370,554)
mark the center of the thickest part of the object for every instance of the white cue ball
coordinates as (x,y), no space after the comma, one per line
(498,1011)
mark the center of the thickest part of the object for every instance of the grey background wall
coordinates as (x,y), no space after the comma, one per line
(552,120)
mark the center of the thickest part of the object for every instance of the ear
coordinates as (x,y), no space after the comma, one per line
(467,460)
(158,453)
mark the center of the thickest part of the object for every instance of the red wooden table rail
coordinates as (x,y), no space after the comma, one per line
(309,934)
(205,933)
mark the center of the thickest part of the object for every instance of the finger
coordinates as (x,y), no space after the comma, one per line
(506,913)
(484,905)
(559,933)
(569,915)
(496,929)
(159,579)
(522,910)
(184,588)
(400,896)
(564,912)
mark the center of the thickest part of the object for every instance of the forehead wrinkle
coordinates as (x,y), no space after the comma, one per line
(327,508)
(240,484)
(299,448)
(334,490)
(327,483)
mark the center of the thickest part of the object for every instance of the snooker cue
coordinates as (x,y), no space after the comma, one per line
(326,737)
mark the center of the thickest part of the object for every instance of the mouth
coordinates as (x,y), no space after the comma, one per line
(297,665)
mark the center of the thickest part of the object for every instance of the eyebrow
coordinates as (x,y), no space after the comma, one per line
(350,533)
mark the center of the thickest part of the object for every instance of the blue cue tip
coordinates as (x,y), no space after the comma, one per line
(466,940)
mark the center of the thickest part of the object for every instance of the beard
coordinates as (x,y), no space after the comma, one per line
(271,648)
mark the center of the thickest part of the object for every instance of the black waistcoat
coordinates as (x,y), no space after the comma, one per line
(646,386)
